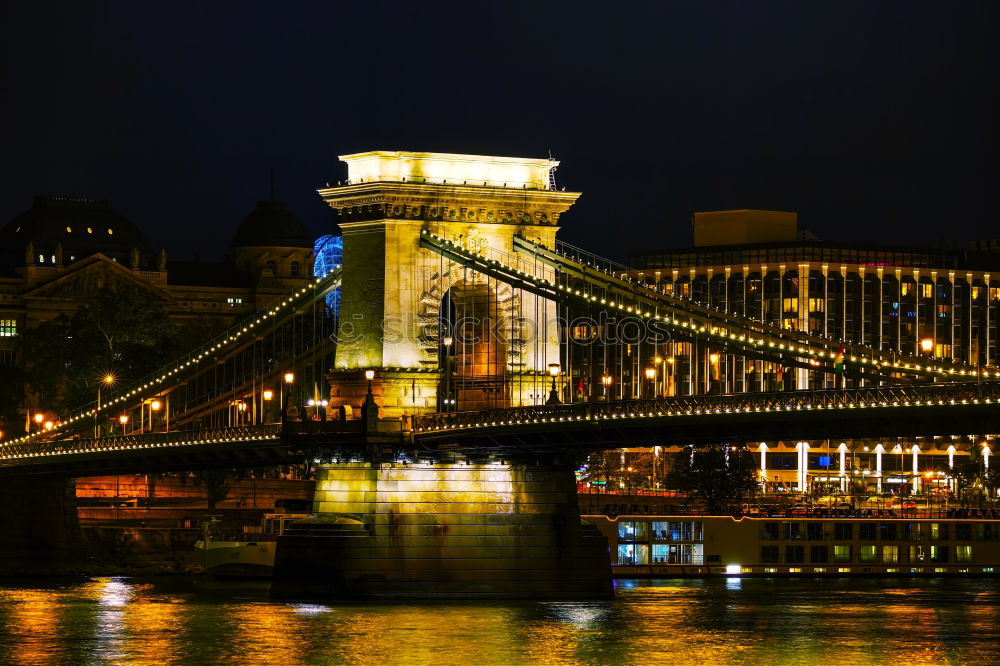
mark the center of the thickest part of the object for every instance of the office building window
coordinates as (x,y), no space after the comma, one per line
(8,328)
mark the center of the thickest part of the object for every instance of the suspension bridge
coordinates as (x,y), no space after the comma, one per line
(456,323)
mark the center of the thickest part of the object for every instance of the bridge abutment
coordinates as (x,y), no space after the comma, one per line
(442,530)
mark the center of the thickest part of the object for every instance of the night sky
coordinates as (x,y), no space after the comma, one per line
(874,120)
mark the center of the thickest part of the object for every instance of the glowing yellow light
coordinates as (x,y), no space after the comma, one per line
(289,377)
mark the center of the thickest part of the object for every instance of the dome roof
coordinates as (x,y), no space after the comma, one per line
(81,226)
(271,225)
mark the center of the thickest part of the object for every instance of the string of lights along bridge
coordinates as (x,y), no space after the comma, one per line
(482,251)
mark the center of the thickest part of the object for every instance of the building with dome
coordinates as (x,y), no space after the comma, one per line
(64,250)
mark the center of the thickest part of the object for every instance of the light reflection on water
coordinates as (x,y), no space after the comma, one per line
(726,621)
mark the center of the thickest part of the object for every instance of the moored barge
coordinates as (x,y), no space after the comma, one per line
(686,546)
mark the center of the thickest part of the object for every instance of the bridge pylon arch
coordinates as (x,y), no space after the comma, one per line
(391,286)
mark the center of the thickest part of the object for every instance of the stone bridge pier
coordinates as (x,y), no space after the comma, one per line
(443,530)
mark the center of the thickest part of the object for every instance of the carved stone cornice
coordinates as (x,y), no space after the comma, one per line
(447,203)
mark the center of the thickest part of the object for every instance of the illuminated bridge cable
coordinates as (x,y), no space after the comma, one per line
(574,264)
(218,351)
(574,283)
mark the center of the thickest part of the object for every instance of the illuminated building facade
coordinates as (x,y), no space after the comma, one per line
(65,250)
(939,303)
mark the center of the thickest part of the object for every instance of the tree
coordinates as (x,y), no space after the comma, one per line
(719,474)
(601,466)
(11,394)
(122,331)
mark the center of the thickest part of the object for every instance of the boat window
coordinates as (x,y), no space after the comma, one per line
(633,553)
(791,531)
(794,554)
(633,530)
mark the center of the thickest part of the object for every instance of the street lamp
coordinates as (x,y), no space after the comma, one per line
(606,380)
(927,345)
(267,395)
(286,388)
(154,406)
(446,402)
(107,380)
(714,387)
(369,410)
(651,376)
(554,393)
(123,420)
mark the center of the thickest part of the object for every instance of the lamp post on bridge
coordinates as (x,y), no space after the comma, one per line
(266,395)
(369,410)
(284,398)
(447,403)
(651,378)
(606,380)
(107,380)
(554,393)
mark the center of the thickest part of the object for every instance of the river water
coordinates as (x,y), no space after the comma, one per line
(717,621)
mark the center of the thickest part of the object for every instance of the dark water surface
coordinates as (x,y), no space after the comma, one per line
(767,621)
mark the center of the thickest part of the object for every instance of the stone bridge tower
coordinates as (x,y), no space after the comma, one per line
(401,303)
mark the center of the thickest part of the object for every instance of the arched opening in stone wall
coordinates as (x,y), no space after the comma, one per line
(472,354)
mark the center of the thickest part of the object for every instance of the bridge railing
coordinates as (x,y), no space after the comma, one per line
(15,453)
(931,394)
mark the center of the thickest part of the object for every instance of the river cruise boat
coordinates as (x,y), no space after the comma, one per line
(678,546)
(246,555)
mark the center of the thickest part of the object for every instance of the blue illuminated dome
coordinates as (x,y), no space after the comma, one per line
(329,251)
